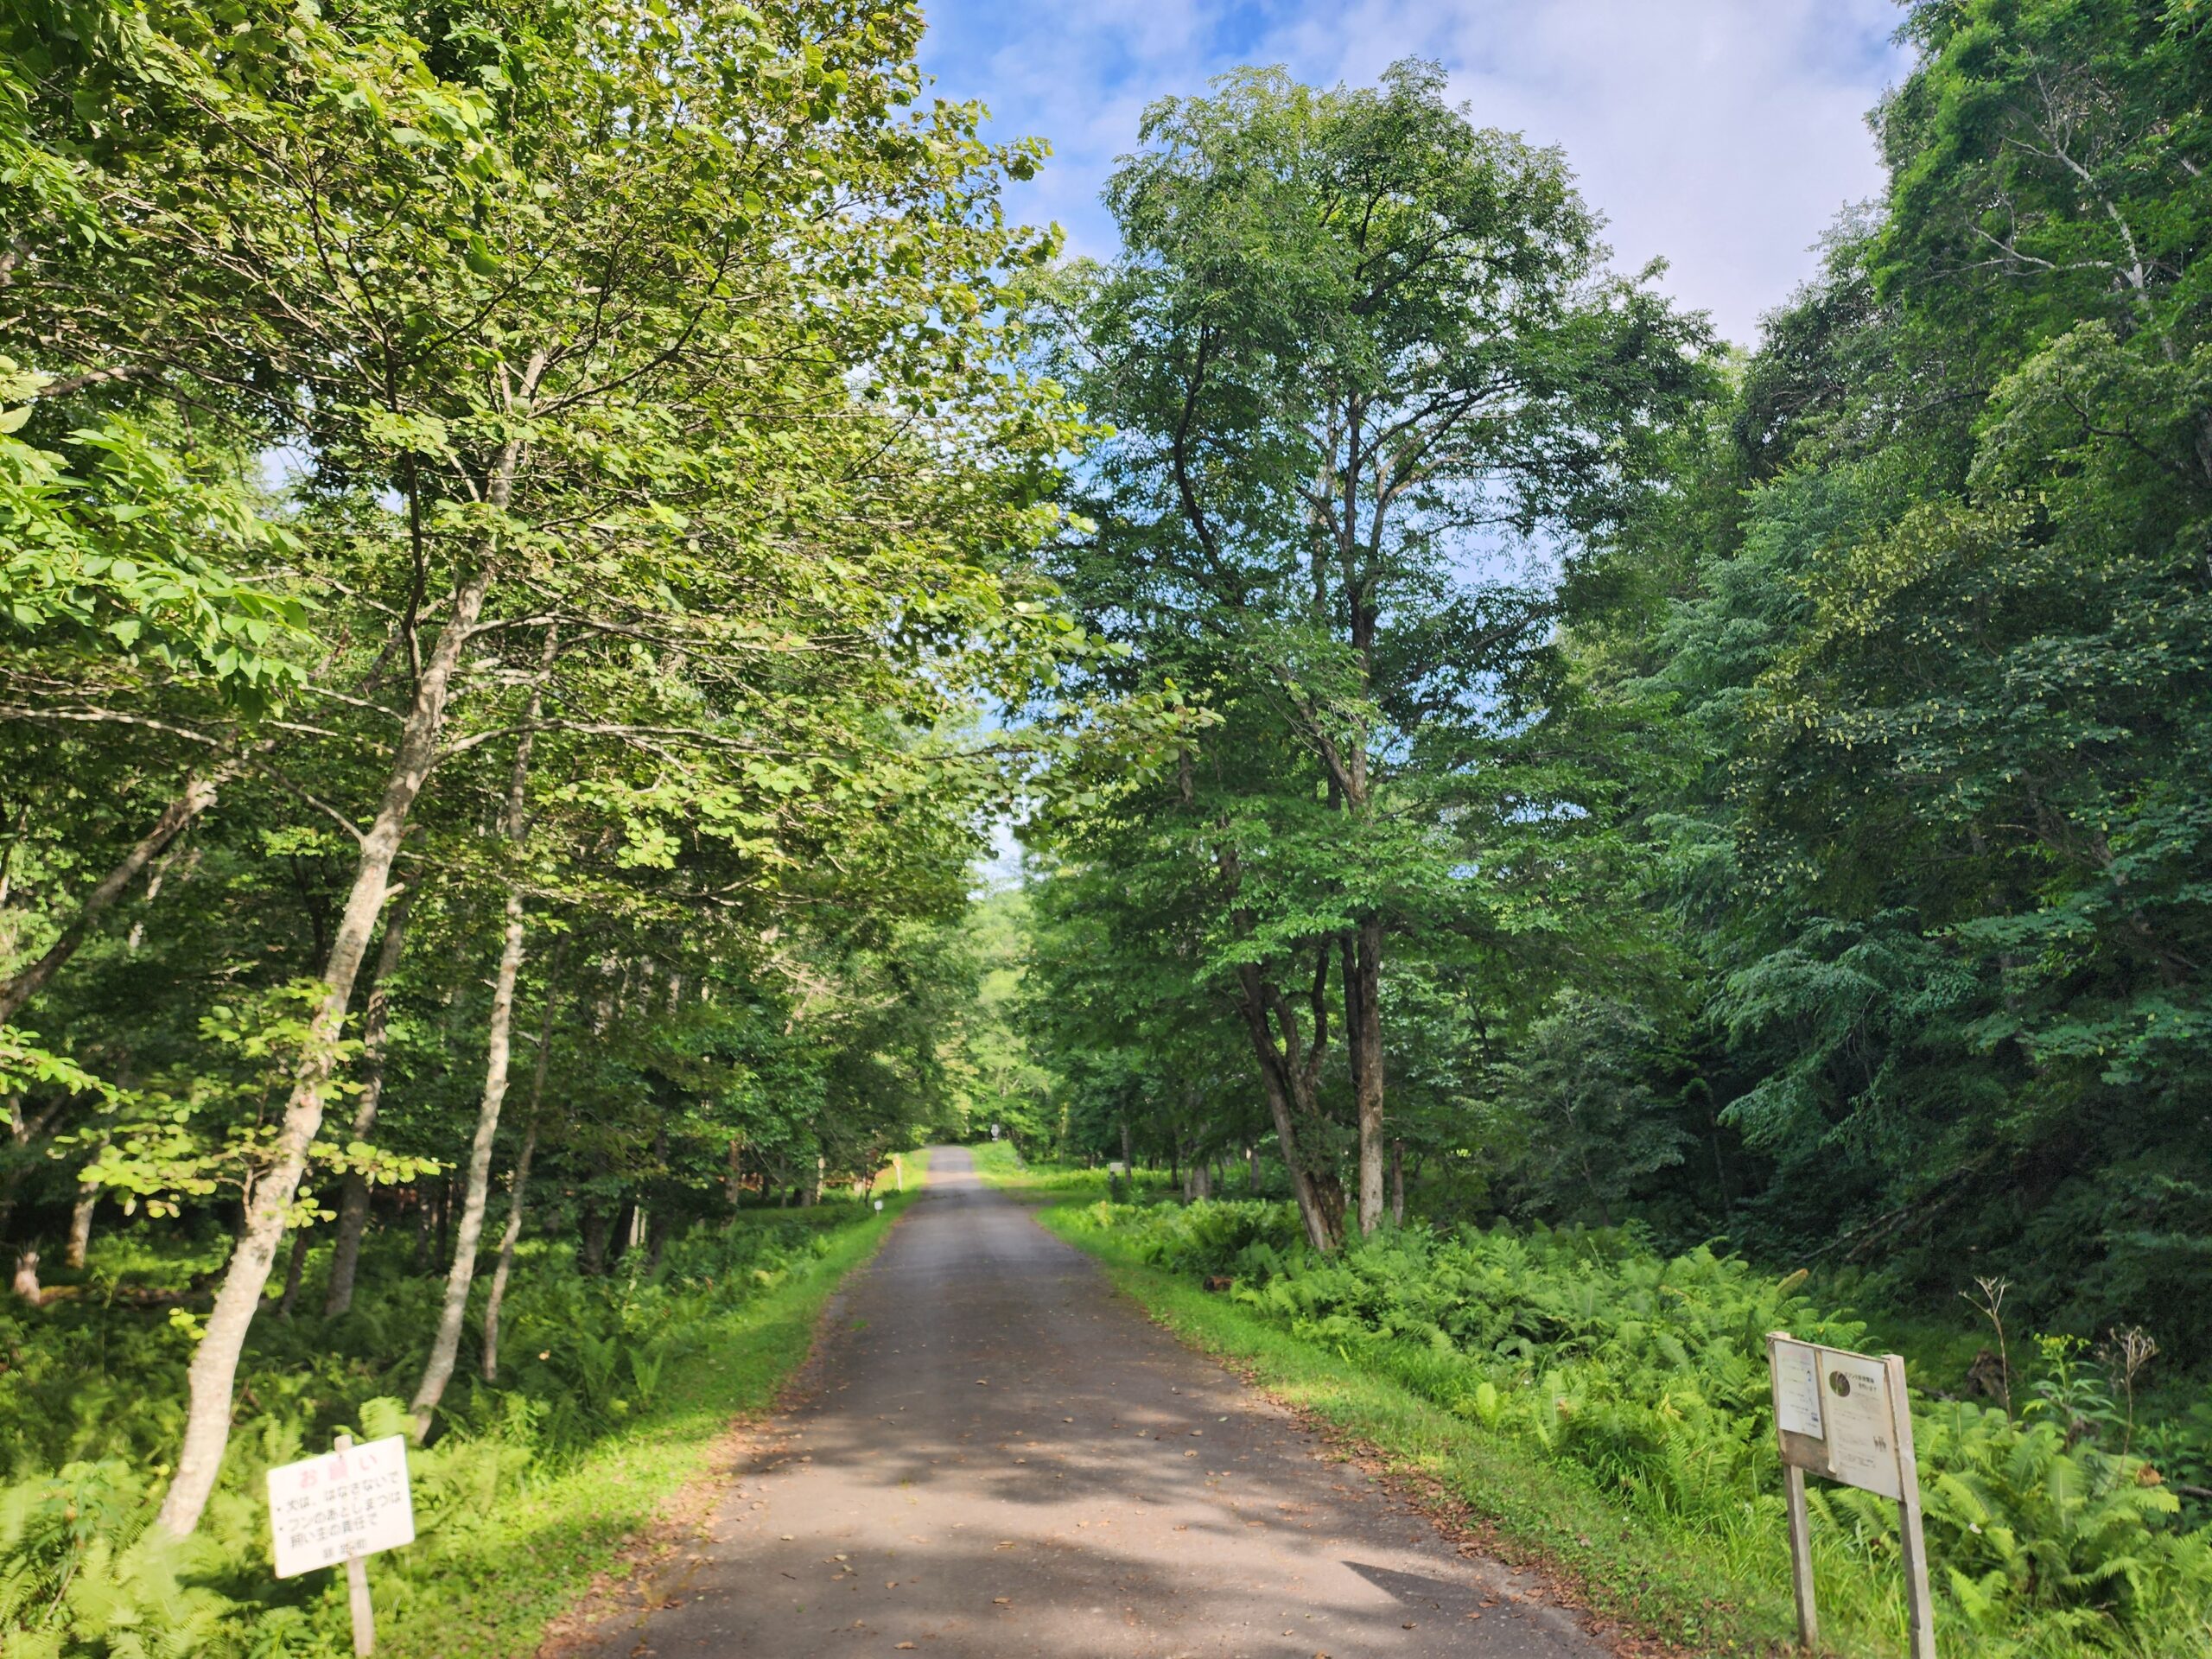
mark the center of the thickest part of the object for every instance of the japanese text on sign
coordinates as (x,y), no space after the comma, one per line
(1797,1388)
(351,1503)
(1836,1416)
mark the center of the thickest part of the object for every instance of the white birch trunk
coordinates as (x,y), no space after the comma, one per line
(214,1374)
(445,1346)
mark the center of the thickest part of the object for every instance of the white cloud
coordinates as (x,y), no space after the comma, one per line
(1721,135)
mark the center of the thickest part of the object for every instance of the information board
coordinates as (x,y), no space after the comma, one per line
(1847,1416)
(1797,1388)
(1861,1422)
(1836,1416)
(346,1504)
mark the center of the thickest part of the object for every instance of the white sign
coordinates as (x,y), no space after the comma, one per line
(347,1503)
(1862,1432)
(1797,1388)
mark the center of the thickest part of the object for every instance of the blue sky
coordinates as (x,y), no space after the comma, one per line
(1722,135)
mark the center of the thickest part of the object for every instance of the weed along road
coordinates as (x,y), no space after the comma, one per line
(996,1455)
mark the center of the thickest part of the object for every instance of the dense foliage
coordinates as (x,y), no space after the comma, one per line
(1815,856)
(536,538)
(96,1400)
(508,516)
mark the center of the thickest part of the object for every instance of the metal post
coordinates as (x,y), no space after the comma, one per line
(1919,1602)
(357,1590)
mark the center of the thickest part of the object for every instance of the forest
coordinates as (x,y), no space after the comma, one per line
(543,545)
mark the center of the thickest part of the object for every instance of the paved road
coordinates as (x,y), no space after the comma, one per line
(999,1455)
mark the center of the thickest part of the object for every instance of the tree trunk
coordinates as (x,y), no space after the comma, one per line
(1252,1166)
(1287,1077)
(1364,1041)
(213,1372)
(81,1223)
(446,1344)
(1397,1182)
(1201,1180)
(498,1054)
(293,1270)
(426,1216)
(198,796)
(518,1189)
(592,1252)
(23,1132)
(1129,1153)
(376,1035)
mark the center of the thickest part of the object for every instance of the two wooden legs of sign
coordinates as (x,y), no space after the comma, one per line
(357,1588)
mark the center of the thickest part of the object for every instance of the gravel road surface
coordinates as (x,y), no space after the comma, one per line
(996,1455)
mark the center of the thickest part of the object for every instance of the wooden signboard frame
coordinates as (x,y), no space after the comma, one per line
(1824,1425)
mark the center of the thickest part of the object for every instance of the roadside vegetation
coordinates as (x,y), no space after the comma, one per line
(1606,1407)
(508,516)
(540,542)
(614,1388)
(1689,838)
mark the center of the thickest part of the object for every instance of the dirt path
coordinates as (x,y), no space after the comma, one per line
(999,1457)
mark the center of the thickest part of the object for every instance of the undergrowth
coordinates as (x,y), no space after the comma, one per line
(1646,1376)
(612,1389)
(999,1162)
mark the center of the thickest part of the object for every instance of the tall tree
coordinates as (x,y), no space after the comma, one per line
(1356,348)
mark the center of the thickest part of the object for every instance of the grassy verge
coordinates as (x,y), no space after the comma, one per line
(484,1583)
(997,1162)
(1535,1511)
(1602,1410)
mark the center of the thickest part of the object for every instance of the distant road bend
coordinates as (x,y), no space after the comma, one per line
(998,1456)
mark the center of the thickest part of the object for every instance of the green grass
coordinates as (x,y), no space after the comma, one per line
(485,1587)
(998,1162)
(1539,1513)
(1713,1577)
(614,1391)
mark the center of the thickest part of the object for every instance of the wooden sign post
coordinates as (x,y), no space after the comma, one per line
(1847,1416)
(343,1508)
